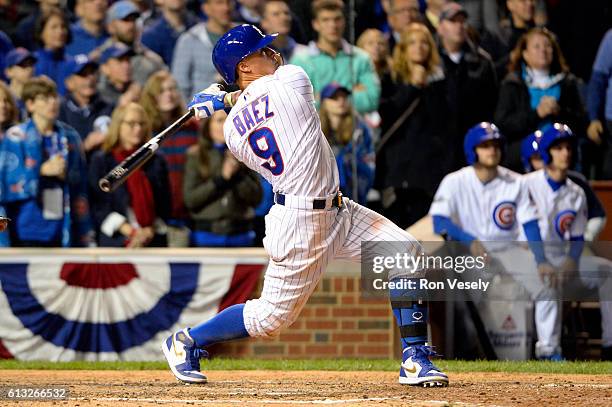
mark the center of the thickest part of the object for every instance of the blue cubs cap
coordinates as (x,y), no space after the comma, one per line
(18,56)
(121,10)
(79,64)
(115,51)
(331,89)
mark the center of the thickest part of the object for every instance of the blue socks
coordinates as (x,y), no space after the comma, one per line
(225,326)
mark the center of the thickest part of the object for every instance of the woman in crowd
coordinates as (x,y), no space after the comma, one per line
(373,42)
(411,155)
(346,133)
(538,91)
(134,214)
(52,33)
(219,192)
(163,104)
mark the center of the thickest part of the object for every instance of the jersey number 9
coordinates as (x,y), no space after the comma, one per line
(264,145)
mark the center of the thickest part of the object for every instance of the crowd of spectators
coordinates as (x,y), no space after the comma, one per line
(83,83)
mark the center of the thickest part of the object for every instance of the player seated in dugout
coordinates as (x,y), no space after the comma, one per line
(562,205)
(596,213)
(220,193)
(45,192)
(134,214)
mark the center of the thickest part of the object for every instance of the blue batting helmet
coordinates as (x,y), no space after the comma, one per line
(479,134)
(552,135)
(235,45)
(530,146)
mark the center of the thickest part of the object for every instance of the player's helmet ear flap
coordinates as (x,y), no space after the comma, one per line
(530,146)
(479,134)
(552,135)
(235,45)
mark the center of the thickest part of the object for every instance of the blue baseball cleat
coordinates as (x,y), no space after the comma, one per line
(184,357)
(417,369)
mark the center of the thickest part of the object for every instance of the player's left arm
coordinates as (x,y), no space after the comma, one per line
(366,89)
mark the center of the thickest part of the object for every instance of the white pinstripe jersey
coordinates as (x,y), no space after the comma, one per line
(274,129)
(563,212)
(493,211)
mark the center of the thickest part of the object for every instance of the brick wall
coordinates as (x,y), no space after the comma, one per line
(336,322)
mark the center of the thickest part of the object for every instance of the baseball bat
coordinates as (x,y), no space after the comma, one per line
(122,171)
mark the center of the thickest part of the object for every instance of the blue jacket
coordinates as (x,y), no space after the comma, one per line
(160,37)
(21,148)
(54,64)
(365,164)
(82,41)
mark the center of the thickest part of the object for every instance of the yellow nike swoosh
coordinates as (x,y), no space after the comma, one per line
(178,354)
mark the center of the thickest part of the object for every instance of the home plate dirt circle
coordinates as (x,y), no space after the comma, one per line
(280,388)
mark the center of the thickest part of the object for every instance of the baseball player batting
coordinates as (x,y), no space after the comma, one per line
(273,127)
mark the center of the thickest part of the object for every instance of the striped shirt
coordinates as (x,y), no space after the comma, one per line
(275,130)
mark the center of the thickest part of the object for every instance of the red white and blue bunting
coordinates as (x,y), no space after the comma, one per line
(62,310)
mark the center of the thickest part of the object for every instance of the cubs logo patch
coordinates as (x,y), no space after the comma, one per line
(504,215)
(563,222)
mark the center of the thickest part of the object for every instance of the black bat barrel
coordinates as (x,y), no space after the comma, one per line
(121,172)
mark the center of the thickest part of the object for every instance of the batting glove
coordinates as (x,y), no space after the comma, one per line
(208,101)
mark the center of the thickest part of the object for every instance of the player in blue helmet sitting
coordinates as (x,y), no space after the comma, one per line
(562,205)
(485,206)
(596,213)
(273,127)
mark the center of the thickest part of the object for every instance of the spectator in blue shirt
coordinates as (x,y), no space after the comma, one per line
(53,34)
(19,69)
(161,35)
(45,189)
(89,31)
(599,103)
(82,108)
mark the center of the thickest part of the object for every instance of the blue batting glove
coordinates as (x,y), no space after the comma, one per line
(208,101)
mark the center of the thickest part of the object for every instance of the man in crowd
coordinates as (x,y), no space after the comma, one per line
(470,76)
(89,31)
(522,14)
(400,14)
(276,18)
(161,35)
(191,65)
(121,25)
(116,85)
(333,59)
(82,108)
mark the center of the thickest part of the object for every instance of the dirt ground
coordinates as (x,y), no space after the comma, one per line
(278,388)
